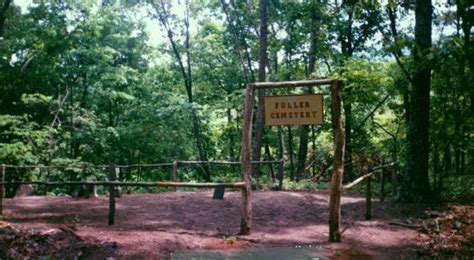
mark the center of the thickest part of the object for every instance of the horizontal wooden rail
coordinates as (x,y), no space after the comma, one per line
(227,162)
(292,84)
(132,165)
(55,166)
(144,165)
(365,176)
(237,185)
(384,166)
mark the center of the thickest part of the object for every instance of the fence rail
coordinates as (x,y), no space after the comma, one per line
(237,185)
(367,174)
(112,182)
(80,166)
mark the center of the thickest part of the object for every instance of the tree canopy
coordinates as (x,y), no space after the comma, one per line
(82,82)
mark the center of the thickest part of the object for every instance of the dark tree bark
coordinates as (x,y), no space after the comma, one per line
(290,153)
(347,48)
(304,131)
(416,186)
(269,157)
(465,14)
(262,64)
(436,165)
(352,36)
(281,154)
(302,153)
(398,54)
(348,167)
(457,142)
(3,15)
(232,156)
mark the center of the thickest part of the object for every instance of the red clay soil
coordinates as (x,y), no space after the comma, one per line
(154,225)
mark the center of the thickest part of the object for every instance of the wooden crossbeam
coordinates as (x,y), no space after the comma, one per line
(292,84)
(236,185)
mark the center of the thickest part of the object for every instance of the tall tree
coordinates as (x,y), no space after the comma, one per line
(314,24)
(240,42)
(416,186)
(162,8)
(355,23)
(262,64)
(5,4)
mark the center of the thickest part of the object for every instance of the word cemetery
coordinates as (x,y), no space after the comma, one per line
(294,110)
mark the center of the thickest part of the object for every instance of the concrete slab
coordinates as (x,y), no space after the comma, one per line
(274,253)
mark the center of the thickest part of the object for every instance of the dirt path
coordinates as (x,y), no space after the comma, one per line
(153,225)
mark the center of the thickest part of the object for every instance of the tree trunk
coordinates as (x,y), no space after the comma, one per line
(302,153)
(416,186)
(3,15)
(196,123)
(436,164)
(231,134)
(281,154)
(395,176)
(338,164)
(304,133)
(398,54)
(268,156)
(246,208)
(347,47)
(239,41)
(186,72)
(262,64)
(290,153)
(348,171)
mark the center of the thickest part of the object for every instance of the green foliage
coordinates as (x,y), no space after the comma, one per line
(22,141)
(366,84)
(80,82)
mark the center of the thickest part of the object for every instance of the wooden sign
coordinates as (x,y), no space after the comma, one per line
(294,110)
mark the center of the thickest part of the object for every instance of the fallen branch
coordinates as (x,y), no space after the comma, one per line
(412,226)
(363,177)
(357,181)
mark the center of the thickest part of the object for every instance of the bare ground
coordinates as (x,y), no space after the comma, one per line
(154,225)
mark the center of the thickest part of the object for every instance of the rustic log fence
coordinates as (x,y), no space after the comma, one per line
(367,174)
(112,182)
(245,185)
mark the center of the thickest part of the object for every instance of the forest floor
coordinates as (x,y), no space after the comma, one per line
(156,225)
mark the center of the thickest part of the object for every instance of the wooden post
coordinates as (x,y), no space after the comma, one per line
(281,173)
(175,174)
(394,179)
(2,187)
(40,177)
(246,208)
(338,163)
(281,153)
(43,169)
(112,177)
(368,199)
(84,189)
